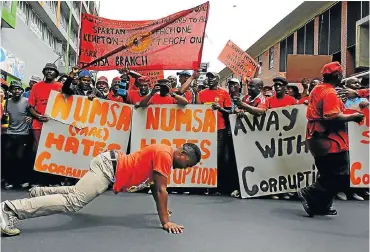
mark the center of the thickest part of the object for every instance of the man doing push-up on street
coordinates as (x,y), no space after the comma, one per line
(150,165)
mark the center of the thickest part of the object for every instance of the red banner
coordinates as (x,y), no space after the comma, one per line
(239,62)
(175,42)
(154,75)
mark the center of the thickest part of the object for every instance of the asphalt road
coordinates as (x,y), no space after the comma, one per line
(128,222)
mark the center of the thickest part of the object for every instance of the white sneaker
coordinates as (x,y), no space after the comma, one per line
(275,197)
(8,186)
(342,196)
(357,197)
(235,194)
(286,197)
(25,185)
(7,222)
(33,191)
(150,191)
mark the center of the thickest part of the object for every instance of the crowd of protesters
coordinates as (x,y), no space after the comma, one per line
(22,114)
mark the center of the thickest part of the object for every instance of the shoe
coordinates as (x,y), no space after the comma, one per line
(187,193)
(235,194)
(150,191)
(25,185)
(8,186)
(286,197)
(342,196)
(305,204)
(8,220)
(275,197)
(330,211)
(33,191)
(357,197)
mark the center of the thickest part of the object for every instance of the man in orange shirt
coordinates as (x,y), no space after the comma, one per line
(160,94)
(220,100)
(150,165)
(313,83)
(134,97)
(327,140)
(280,99)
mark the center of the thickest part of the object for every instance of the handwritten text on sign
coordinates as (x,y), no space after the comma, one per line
(80,129)
(277,159)
(359,136)
(177,45)
(239,62)
(174,126)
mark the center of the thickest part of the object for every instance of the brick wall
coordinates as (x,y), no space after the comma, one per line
(268,74)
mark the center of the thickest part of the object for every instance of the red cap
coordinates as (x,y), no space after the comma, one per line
(143,79)
(103,79)
(331,68)
(117,78)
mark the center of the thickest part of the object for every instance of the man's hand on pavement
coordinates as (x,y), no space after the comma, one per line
(173,228)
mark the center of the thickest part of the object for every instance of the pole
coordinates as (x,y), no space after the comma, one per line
(68,36)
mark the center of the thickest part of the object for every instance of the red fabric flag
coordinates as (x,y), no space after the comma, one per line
(171,43)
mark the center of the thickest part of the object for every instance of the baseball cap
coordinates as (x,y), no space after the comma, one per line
(84,73)
(103,79)
(116,78)
(35,78)
(185,72)
(331,68)
(235,80)
(213,75)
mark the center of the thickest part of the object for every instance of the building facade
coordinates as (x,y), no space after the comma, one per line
(34,33)
(339,29)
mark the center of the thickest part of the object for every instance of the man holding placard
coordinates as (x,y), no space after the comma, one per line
(150,165)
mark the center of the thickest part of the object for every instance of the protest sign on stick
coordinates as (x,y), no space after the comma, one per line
(78,130)
(359,139)
(174,125)
(154,75)
(171,43)
(276,159)
(238,61)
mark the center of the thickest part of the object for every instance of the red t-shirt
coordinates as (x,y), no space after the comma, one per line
(332,136)
(260,101)
(132,85)
(137,168)
(303,100)
(134,97)
(117,98)
(274,102)
(222,97)
(364,93)
(157,99)
(39,96)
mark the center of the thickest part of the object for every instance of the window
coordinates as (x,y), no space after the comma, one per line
(63,20)
(309,38)
(353,15)
(77,6)
(259,59)
(283,48)
(271,57)
(53,6)
(300,40)
(365,8)
(23,11)
(36,25)
(335,28)
(324,33)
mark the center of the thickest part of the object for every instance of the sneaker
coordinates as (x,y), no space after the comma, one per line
(275,197)
(187,193)
(150,191)
(25,185)
(8,186)
(235,194)
(357,197)
(8,220)
(286,197)
(330,211)
(305,204)
(342,196)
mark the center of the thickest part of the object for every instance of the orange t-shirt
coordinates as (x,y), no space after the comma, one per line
(303,100)
(117,98)
(134,97)
(39,96)
(157,99)
(220,96)
(274,102)
(325,136)
(137,168)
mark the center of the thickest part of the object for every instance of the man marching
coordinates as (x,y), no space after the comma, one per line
(150,165)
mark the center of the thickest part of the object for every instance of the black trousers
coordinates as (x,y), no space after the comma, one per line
(15,167)
(334,173)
